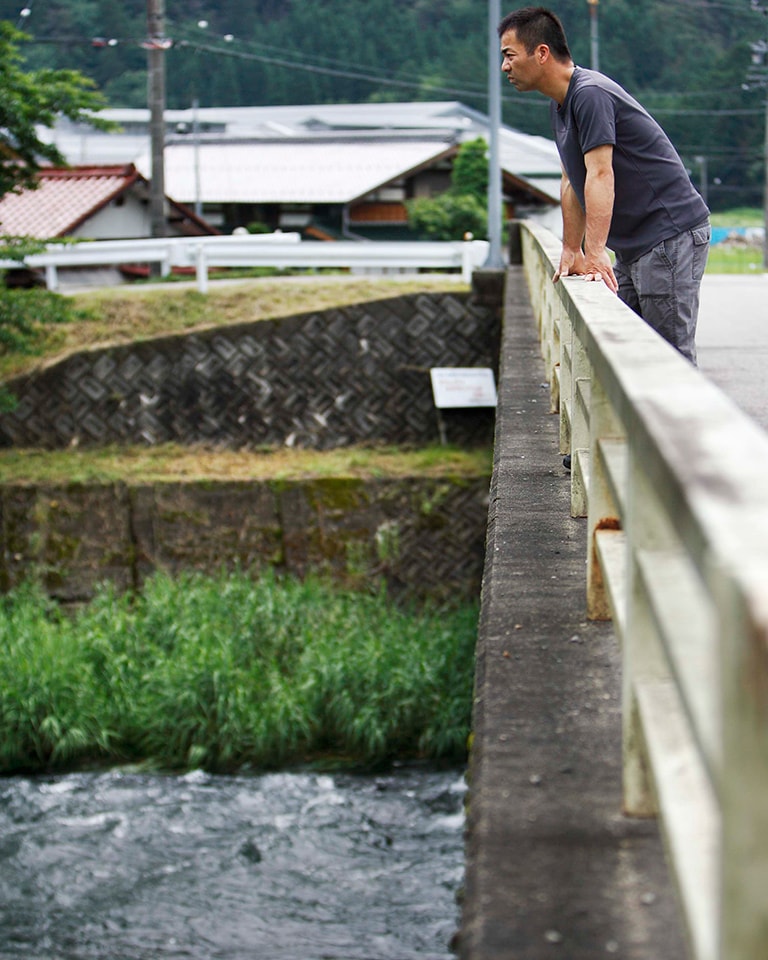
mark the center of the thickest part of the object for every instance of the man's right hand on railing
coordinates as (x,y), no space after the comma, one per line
(575,263)
(572,263)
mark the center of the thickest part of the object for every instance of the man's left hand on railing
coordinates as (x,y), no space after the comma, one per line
(598,266)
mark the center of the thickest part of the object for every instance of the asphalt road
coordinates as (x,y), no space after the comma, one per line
(732,339)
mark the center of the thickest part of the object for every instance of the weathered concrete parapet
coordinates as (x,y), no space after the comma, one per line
(668,478)
(422,536)
(553,868)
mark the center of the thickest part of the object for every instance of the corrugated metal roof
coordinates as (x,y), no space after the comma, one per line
(309,153)
(288,172)
(527,156)
(521,154)
(292,120)
(63,200)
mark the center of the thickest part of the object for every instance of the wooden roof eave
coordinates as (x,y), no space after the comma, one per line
(518,183)
(409,172)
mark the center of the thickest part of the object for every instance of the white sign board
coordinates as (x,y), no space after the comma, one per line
(463,387)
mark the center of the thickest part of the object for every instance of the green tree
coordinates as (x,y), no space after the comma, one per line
(449,217)
(469,176)
(27,101)
(30,100)
(462,208)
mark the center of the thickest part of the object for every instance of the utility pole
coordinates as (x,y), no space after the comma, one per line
(156,45)
(494,260)
(594,39)
(703,190)
(765,182)
(764,85)
(758,77)
(196,148)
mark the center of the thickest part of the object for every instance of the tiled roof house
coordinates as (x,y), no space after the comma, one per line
(327,170)
(91,202)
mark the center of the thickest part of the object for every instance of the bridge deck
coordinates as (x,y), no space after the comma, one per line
(554,869)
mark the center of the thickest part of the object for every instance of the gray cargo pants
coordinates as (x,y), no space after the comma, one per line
(663,286)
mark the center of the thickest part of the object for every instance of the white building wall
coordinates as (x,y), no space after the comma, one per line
(125,218)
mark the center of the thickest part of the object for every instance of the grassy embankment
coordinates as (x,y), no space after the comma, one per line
(127,314)
(229,672)
(736,257)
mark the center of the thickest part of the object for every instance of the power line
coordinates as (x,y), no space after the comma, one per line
(418,81)
(368,76)
(320,60)
(736,112)
(329,71)
(338,71)
(324,65)
(421,85)
(337,68)
(710,151)
(695,94)
(86,41)
(737,7)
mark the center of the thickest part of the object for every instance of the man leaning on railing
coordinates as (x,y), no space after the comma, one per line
(624,187)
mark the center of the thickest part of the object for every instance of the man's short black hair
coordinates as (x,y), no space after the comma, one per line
(535,25)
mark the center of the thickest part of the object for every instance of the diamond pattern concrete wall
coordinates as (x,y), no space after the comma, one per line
(322,379)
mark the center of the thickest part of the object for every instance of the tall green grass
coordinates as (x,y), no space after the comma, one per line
(735,259)
(225,672)
(738,217)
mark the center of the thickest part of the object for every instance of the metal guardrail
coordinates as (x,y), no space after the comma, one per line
(259,250)
(673,480)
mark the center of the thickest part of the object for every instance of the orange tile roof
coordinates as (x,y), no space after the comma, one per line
(64,199)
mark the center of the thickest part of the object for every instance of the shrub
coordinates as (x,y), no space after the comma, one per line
(222,672)
(24,317)
(448,217)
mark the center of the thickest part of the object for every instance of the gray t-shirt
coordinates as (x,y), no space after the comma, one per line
(654,196)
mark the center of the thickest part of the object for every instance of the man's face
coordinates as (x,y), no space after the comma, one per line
(521,68)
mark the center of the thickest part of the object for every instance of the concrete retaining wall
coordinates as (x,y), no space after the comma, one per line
(425,537)
(324,379)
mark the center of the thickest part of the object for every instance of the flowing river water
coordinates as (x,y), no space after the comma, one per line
(287,866)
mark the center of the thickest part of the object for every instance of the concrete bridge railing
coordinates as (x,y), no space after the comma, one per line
(673,481)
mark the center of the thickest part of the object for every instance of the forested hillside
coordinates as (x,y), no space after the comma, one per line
(687,60)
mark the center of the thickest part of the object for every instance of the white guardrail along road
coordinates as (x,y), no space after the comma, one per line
(258,250)
(673,480)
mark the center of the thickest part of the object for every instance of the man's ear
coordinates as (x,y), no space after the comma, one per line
(543,53)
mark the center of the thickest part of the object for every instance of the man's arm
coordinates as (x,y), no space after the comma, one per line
(574,225)
(598,198)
